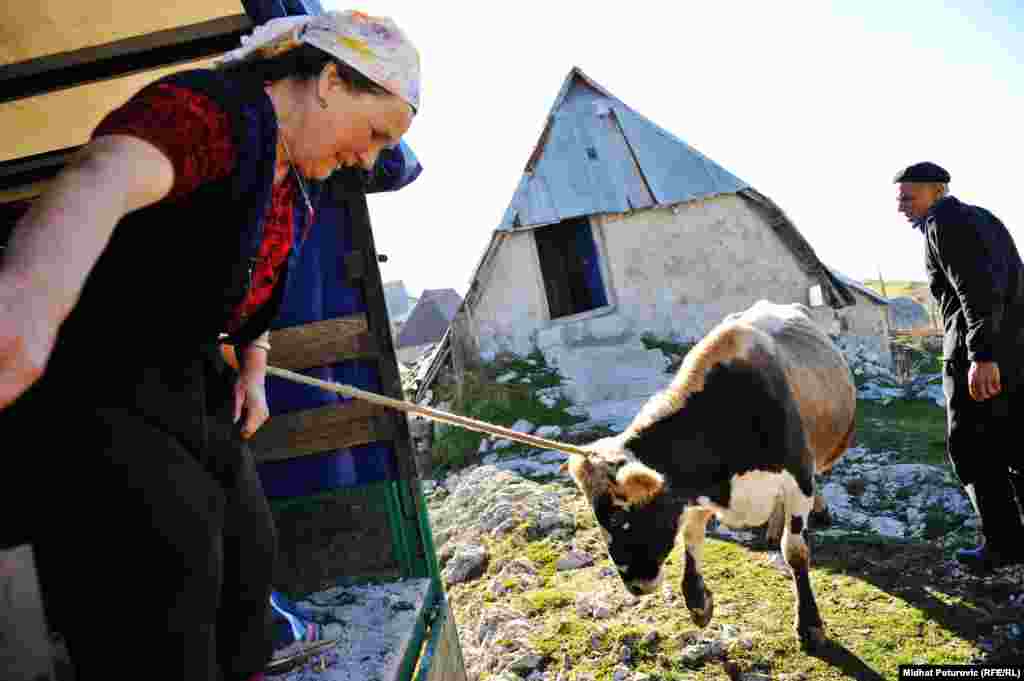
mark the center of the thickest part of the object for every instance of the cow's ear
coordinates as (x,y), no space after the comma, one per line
(581,468)
(638,484)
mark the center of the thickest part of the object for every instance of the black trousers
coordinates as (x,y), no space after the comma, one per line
(982,448)
(154,541)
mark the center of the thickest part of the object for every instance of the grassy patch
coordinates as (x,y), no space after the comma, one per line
(481,397)
(881,606)
(914,429)
(545,600)
(897,288)
(544,555)
(668,347)
(881,599)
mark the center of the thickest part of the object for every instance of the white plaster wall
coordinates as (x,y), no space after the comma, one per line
(511,307)
(865,326)
(680,272)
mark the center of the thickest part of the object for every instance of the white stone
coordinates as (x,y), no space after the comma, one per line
(506,378)
(608,326)
(551,456)
(550,432)
(574,560)
(888,527)
(523,426)
(610,372)
(549,337)
(467,563)
(529,467)
(502,444)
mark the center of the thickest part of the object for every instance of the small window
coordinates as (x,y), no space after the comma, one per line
(817,299)
(570,267)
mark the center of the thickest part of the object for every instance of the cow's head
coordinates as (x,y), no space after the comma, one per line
(630,504)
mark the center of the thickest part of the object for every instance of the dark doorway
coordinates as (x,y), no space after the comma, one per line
(570,267)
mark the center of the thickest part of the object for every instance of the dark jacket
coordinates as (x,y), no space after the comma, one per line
(976,277)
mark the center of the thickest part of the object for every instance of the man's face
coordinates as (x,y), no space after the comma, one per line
(915,198)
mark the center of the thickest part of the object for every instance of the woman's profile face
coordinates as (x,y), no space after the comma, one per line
(351,130)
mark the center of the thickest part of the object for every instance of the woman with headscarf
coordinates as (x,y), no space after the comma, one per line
(178,223)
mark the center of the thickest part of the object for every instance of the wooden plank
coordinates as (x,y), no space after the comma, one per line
(321,343)
(337,426)
(122,57)
(345,532)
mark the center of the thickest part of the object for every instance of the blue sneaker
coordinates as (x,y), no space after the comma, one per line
(293,625)
(984,558)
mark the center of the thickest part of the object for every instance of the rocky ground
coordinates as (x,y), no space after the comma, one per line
(536,597)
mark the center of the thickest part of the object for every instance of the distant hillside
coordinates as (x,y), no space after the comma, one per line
(895,288)
(898,288)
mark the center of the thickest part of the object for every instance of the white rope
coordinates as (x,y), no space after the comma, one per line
(428,412)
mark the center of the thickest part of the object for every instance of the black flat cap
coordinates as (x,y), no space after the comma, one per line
(922,172)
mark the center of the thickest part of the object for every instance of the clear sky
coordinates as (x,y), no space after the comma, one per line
(816,105)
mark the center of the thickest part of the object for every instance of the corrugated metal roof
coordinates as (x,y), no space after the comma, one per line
(596,155)
(447,299)
(859,286)
(426,324)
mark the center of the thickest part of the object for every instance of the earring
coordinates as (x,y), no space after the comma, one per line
(323,102)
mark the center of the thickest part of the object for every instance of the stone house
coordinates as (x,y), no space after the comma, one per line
(620,229)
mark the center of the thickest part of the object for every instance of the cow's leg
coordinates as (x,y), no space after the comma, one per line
(809,627)
(773,530)
(820,517)
(698,599)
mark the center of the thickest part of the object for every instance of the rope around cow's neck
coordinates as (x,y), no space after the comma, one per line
(430,413)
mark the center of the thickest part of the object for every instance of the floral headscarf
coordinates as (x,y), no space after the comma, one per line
(374,46)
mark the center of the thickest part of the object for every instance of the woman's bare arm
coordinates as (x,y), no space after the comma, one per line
(56,243)
(60,238)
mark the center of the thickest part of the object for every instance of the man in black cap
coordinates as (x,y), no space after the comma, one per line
(977,278)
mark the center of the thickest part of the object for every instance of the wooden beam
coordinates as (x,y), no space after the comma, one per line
(28,170)
(122,57)
(322,343)
(301,433)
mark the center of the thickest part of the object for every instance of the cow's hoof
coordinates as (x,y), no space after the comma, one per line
(812,638)
(820,518)
(762,540)
(701,616)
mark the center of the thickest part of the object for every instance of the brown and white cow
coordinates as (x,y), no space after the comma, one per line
(729,437)
(822,386)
